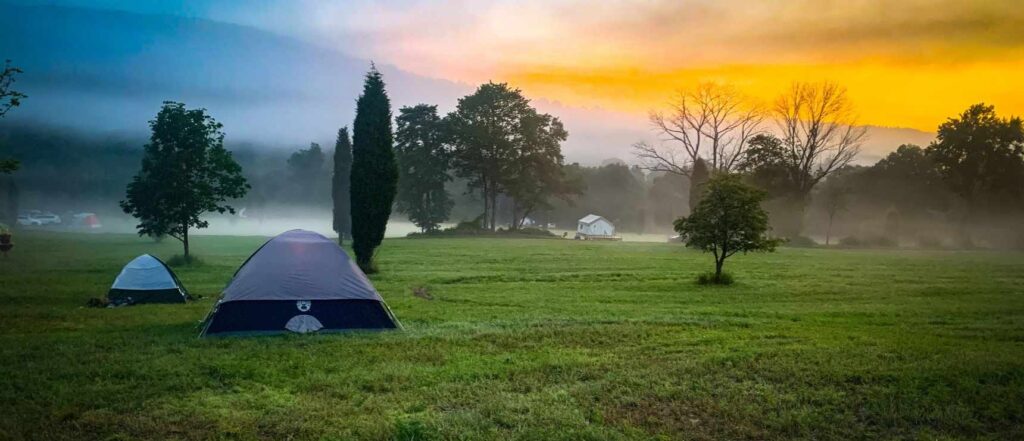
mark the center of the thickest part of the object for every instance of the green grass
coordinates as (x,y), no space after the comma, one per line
(529,339)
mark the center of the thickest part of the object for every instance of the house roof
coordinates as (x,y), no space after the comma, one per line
(591,218)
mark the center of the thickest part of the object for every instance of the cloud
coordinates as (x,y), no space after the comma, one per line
(907,63)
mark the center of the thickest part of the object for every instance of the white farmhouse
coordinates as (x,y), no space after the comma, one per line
(593,226)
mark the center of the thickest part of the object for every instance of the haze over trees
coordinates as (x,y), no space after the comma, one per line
(186,172)
(340,185)
(423,162)
(980,157)
(308,175)
(75,172)
(815,134)
(374,176)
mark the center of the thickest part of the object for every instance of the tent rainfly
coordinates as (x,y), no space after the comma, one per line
(146,279)
(301,282)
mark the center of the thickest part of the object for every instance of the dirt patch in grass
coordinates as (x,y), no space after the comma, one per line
(678,418)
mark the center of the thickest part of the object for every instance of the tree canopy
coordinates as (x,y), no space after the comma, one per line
(422,166)
(727,220)
(980,156)
(502,145)
(536,172)
(186,172)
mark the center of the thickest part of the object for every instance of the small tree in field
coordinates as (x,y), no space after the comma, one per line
(186,172)
(727,220)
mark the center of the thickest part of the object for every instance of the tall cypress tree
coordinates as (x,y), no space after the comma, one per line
(374,176)
(340,185)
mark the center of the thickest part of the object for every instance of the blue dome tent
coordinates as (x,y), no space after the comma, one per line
(301,282)
(146,279)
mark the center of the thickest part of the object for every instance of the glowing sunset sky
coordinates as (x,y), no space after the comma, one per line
(908,63)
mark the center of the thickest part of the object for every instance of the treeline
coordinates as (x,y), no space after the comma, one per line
(964,189)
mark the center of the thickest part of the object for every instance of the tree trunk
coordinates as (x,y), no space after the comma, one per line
(487,201)
(515,216)
(494,211)
(184,241)
(718,268)
(828,230)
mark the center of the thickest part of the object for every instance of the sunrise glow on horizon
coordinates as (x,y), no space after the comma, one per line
(907,64)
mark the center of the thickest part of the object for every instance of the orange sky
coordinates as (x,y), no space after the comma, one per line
(907,63)
(915,95)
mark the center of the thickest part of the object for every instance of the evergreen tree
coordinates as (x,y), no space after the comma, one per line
(698,179)
(340,186)
(374,177)
(186,172)
(423,167)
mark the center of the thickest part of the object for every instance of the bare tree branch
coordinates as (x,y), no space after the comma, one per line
(819,130)
(712,121)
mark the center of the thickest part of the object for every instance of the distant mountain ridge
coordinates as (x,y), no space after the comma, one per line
(110,70)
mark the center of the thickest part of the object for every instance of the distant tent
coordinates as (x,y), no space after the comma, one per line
(301,282)
(146,279)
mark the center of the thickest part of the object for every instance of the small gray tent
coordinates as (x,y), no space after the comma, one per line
(299,281)
(146,279)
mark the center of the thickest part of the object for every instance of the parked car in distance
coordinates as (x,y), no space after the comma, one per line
(28,221)
(86,220)
(47,219)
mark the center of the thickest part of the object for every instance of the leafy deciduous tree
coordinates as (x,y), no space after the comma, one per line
(186,172)
(980,156)
(422,166)
(536,173)
(502,145)
(728,220)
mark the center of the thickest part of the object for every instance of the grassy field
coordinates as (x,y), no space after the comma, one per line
(529,339)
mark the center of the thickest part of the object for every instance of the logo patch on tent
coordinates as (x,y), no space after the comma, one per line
(303,305)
